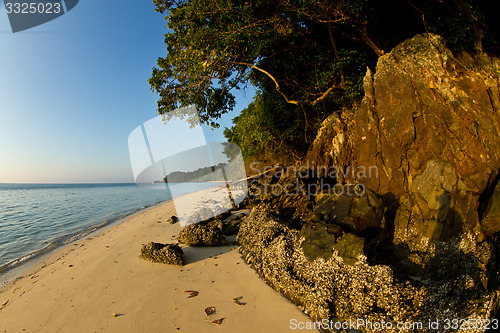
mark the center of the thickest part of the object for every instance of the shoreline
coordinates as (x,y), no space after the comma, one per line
(80,286)
(16,267)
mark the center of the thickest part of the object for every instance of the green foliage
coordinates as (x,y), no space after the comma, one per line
(251,131)
(215,46)
(306,57)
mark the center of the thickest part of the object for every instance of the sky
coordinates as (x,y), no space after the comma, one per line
(73,89)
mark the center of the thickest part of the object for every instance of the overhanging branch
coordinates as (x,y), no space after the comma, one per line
(278,88)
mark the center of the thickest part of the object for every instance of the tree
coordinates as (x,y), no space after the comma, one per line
(215,46)
(308,56)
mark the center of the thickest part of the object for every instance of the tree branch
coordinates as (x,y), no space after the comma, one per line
(334,46)
(278,88)
(366,38)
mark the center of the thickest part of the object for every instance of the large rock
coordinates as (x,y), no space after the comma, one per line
(426,212)
(163,253)
(349,248)
(426,113)
(361,214)
(344,287)
(201,234)
(318,240)
(329,147)
(425,139)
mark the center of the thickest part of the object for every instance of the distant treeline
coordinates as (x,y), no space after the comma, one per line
(201,174)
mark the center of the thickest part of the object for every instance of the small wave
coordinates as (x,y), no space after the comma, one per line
(23,259)
(11,207)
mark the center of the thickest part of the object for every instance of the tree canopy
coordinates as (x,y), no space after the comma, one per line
(306,57)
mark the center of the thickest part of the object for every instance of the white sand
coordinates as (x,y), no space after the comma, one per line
(78,288)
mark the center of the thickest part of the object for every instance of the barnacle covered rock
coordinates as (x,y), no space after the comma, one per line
(163,253)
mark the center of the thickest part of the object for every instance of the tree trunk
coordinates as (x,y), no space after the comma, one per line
(366,38)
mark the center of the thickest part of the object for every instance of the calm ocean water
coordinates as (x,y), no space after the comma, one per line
(35,218)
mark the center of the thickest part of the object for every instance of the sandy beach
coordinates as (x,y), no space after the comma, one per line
(100,284)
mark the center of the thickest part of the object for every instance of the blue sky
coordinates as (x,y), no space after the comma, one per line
(73,89)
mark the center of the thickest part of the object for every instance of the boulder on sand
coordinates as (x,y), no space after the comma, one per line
(201,234)
(163,253)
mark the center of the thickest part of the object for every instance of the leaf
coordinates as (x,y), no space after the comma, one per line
(192,293)
(217,321)
(237,301)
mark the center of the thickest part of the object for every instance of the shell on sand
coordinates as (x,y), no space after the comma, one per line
(217,321)
(210,310)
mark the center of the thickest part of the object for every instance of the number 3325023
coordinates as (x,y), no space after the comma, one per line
(33,8)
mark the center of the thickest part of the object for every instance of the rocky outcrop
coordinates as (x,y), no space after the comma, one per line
(318,240)
(343,287)
(203,234)
(429,129)
(163,253)
(421,243)
(423,108)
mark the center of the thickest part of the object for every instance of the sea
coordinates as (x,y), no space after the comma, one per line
(38,218)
